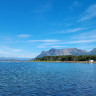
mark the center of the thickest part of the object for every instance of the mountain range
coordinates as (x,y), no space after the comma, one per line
(66,51)
(13,59)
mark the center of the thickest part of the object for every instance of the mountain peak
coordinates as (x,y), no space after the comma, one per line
(66,51)
(53,49)
(93,52)
(94,49)
(43,51)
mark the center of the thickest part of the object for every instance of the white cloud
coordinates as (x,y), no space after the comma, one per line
(87,35)
(86,46)
(24,35)
(46,46)
(75,30)
(40,46)
(81,38)
(81,41)
(57,46)
(67,25)
(43,8)
(47,40)
(89,13)
(7,51)
(68,31)
(51,43)
(75,41)
(12,52)
(76,3)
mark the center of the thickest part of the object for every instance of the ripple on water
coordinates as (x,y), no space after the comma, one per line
(47,79)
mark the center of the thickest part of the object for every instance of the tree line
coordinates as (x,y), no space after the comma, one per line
(67,58)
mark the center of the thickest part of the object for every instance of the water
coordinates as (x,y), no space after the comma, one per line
(47,79)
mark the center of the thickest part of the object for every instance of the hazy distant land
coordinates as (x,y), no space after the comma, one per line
(70,55)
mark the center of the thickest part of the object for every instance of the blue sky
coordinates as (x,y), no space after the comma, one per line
(29,26)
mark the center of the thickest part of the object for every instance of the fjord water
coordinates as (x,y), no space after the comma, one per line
(47,79)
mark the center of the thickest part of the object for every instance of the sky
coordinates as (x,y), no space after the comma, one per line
(27,27)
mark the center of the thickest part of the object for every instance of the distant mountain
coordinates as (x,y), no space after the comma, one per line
(13,59)
(93,52)
(68,51)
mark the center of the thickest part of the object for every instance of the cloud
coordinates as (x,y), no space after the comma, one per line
(41,46)
(81,41)
(75,30)
(86,46)
(68,31)
(13,50)
(51,43)
(57,46)
(87,35)
(47,40)
(43,8)
(81,38)
(7,51)
(76,41)
(74,5)
(67,25)
(24,35)
(89,13)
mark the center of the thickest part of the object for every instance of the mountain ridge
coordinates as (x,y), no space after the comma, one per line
(14,59)
(66,51)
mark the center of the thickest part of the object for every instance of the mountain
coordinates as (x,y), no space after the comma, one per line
(68,51)
(13,59)
(93,52)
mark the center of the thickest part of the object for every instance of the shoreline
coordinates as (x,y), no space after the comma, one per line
(67,61)
(55,61)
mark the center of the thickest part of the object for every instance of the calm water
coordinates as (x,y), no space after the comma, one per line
(47,79)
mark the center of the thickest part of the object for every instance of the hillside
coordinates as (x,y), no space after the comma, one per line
(67,51)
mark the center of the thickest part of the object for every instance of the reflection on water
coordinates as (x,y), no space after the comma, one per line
(47,79)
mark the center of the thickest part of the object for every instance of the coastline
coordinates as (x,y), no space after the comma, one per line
(55,61)
(67,61)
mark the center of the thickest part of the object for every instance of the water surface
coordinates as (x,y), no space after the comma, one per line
(47,79)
